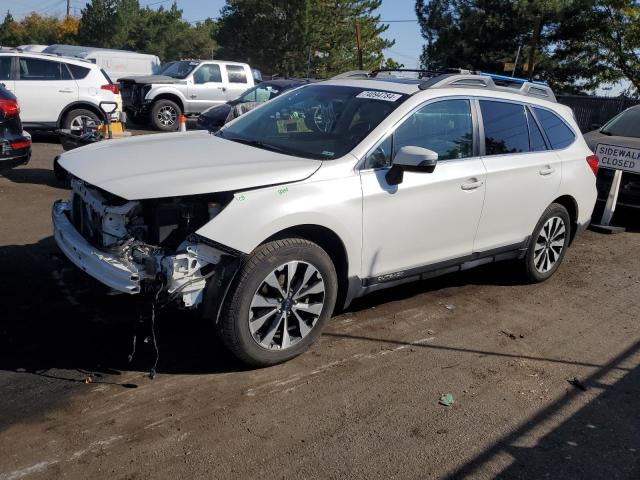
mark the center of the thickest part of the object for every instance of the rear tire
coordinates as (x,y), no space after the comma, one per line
(281,299)
(165,115)
(73,119)
(548,244)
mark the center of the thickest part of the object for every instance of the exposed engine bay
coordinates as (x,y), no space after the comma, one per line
(153,239)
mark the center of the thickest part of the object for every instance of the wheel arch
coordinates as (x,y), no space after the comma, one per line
(170,96)
(75,106)
(568,202)
(331,243)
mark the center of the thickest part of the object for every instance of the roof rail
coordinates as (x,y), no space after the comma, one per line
(486,81)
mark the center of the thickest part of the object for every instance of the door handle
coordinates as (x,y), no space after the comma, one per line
(64,90)
(547,171)
(472,185)
(222,88)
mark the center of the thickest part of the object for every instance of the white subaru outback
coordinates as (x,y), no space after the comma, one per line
(326,193)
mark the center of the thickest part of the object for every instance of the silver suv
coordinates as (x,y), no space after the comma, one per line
(183,87)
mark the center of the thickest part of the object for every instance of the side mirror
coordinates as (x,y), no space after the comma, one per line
(411,158)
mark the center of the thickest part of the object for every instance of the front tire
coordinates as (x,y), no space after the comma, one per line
(165,115)
(549,243)
(282,298)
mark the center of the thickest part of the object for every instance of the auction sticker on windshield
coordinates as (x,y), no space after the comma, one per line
(618,158)
(377,95)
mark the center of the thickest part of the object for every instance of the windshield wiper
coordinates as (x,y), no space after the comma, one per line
(260,144)
(605,132)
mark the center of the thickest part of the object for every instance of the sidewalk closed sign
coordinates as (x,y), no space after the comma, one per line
(618,158)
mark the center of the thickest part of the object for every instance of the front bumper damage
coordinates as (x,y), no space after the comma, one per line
(180,276)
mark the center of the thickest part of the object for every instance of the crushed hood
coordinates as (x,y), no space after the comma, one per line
(151,79)
(178,164)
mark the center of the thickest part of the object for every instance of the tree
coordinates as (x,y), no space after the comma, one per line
(582,42)
(38,29)
(97,23)
(600,44)
(125,25)
(307,36)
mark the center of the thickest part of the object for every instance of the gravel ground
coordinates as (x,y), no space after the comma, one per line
(362,403)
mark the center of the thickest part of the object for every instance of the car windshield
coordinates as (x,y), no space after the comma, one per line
(179,69)
(260,93)
(315,121)
(627,124)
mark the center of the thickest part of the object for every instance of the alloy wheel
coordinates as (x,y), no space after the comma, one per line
(286,305)
(167,116)
(77,123)
(549,244)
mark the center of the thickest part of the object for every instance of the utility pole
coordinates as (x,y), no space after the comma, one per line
(68,8)
(359,39)
(534,43)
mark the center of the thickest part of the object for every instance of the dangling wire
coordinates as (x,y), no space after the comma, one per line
(152,372)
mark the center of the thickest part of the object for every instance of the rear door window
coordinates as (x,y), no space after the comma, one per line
(5,68)
(207,73)
(559,134)
(36,69)
(236,74)
(505,127)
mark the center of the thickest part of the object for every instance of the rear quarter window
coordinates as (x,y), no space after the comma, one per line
(78,72)
(559,134)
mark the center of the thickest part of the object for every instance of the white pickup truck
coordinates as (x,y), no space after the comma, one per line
(183,87)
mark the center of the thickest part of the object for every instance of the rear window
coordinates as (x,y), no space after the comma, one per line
(559,134)
(236,74)
(505,127)
(78,72)
(5,68)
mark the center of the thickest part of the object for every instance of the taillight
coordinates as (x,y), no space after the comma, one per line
(9,107)
(594,163)
(112,87)
(21,144)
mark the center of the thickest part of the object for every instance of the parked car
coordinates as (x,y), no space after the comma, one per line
(184,87)
(117,63)
(624,131)
(56,92)
(326,193)
(215,117)
(15,144)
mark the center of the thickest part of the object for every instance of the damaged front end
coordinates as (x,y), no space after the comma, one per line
(147,246)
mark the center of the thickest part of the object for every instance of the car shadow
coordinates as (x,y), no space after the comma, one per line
(56,317)
(35,176)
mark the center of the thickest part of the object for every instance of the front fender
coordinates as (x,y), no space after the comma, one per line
(256,215)
(155,92)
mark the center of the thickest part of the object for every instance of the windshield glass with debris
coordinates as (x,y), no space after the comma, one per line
(316,121)
(179,69)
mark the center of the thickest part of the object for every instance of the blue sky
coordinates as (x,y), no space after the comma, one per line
(406,34)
